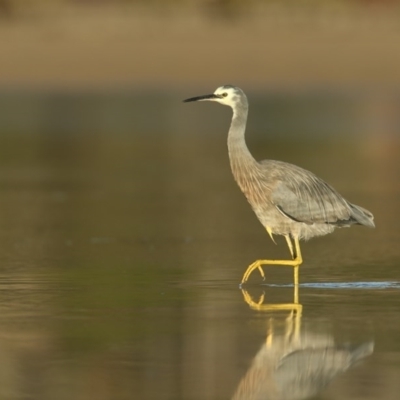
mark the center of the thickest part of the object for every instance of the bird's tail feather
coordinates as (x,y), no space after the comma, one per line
(362,216)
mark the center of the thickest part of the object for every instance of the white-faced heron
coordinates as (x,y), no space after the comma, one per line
(288,200)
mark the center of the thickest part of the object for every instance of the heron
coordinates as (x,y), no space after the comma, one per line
(288,200)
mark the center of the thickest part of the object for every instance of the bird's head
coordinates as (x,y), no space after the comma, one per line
(227,95)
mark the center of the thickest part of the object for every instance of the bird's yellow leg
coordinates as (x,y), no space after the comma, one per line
(269,230)
(295,256)
(298,258)
(296,278)
(295,262)
(296,285)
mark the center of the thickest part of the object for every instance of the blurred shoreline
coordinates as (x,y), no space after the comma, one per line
(200,44)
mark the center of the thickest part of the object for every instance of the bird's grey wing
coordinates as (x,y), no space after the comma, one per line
(303,197)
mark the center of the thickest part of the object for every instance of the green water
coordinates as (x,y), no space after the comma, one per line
(121,257)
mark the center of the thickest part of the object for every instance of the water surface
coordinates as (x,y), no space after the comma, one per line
(121,257)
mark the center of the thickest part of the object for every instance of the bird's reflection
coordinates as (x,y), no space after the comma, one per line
(261,305)
(295,362)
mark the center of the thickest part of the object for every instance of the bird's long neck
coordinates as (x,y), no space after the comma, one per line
(242,162)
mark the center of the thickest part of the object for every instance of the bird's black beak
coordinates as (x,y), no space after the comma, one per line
(202,98)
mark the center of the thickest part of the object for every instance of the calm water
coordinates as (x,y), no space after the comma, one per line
(121,257)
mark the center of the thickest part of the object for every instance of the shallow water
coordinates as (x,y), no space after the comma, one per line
(121,259)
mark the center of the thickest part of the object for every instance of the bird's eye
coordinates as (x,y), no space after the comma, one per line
(224,94)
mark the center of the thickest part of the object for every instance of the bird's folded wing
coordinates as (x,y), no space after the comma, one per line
(310,200)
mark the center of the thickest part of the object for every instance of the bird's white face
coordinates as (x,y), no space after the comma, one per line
(227,95)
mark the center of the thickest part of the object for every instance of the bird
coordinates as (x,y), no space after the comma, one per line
(288,200)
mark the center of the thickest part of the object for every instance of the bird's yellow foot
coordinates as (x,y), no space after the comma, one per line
(259,263)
